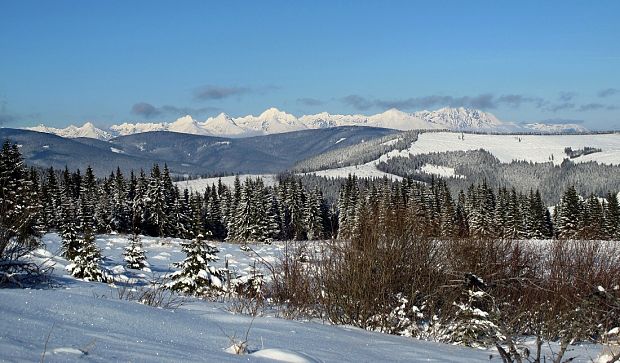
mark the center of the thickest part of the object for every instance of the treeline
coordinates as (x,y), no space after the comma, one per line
(431,210)
(153,205)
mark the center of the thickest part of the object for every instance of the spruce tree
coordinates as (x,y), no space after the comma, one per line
(314,215)
(462,225)
(592,219)
(119,206)
(34,202)
(197,225)
(18,235)
(103,205)
(265,214)
(196,275)
(156,203)
(569,214)
(51,197)
(135,256)
(139,208)
(473,323)
(69,222)
(347,204)
(213,214)
(86,261)
(447,216)
(181,217)
(612,217)
(170,195)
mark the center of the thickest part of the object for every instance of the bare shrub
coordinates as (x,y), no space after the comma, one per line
(294,283)
(391,277)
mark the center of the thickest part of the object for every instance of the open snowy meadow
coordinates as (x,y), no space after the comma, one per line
(76,320)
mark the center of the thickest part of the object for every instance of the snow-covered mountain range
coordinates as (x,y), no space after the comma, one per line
(86,130)
(556,127)
(273,121)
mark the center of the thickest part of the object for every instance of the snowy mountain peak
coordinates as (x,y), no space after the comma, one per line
(270,121)
(129,128)
(461,118)
(273,114)
(187,125)
(556,127)
(222,125)
(394,112)
(86,130)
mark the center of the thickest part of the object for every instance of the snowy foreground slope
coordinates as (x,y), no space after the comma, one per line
(87,321)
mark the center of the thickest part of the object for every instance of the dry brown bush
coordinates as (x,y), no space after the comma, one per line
(546,289)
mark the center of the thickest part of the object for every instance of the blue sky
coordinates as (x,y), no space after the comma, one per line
(64,62)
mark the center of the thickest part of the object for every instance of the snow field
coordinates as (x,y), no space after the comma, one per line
(368,170)
(534,148)
(199,185)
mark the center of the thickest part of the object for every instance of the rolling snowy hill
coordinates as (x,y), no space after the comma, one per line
(506,147)
(534,148)
(273,121)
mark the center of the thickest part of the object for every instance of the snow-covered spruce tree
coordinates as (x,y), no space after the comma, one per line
(447,216)
(569,214)
(68,224)
(268,222)
(17,222)
(196,275)
(418,218)
(474,211)
(181,216)
(35,202)
(592,221)
(250,285)
(119,207)
(135,256)
(156,203)
(347,204)
(314,214)
(103,207)
(473,323)
(85,263)
(612,217)
(213,213)
(243,222)
(51,200)
(254,219)
(170,194)
(515,225)
(196,217)
(540,218)
(462,226)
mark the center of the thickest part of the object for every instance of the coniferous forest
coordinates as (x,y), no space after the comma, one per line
(151,204)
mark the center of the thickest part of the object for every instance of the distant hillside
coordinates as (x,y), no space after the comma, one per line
(185,153)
